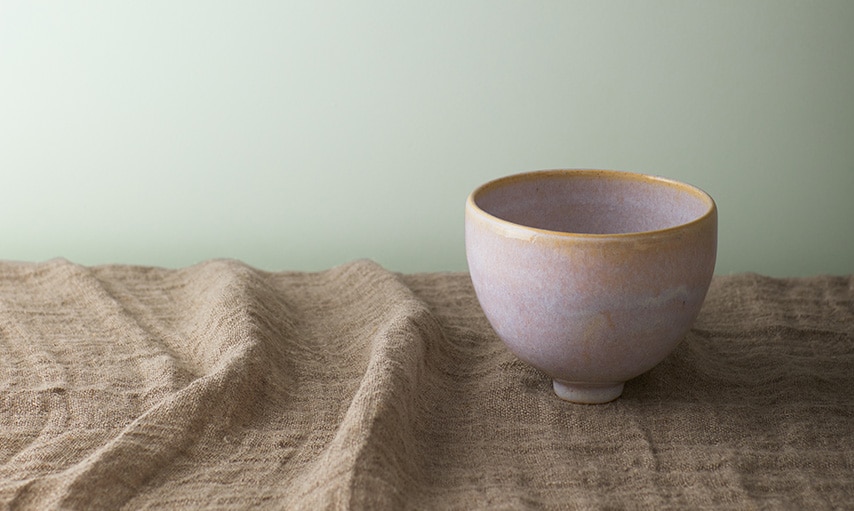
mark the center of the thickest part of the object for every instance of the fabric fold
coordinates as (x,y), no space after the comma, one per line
(374,453)
(223,338)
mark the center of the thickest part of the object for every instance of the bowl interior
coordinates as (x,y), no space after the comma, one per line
(592,202)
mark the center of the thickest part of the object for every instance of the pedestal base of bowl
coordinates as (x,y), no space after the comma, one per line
(587,393)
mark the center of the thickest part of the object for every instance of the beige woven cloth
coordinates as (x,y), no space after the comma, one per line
(220,386)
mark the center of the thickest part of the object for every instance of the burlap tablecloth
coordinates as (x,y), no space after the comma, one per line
(220,386)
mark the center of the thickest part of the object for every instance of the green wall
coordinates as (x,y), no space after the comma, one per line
(301,135)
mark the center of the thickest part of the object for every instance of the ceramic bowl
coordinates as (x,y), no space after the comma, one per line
(591,276)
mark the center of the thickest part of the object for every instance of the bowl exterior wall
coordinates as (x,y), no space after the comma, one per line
(590,308)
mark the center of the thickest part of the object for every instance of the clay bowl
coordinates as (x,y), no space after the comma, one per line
(591,276)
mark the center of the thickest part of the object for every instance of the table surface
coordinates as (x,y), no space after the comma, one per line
(220,386)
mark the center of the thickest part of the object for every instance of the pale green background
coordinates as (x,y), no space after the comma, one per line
(301,135)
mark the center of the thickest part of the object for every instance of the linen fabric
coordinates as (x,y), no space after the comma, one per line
(221,386)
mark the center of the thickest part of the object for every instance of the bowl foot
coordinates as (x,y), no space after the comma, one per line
(587,393)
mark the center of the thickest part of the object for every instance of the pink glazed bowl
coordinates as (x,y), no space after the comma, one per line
(591,276)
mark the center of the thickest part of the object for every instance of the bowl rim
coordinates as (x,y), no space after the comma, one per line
(471,204)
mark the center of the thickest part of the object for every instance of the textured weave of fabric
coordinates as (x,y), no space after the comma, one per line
(220,386)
